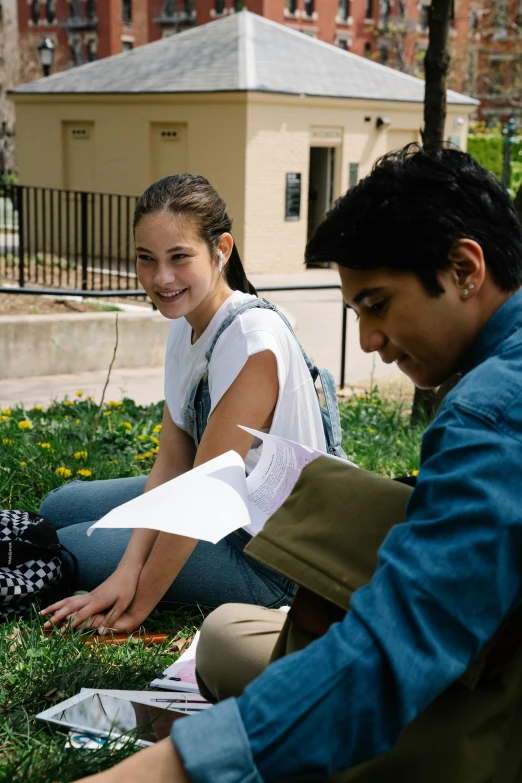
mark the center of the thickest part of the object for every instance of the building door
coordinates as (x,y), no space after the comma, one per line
(168,149)
(320,185)
(79,160)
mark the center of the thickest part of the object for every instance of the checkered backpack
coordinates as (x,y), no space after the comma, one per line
(33,569)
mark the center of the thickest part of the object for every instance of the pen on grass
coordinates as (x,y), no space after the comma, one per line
(182,701)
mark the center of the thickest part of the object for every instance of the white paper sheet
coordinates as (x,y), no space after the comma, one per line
(181,675)
(276,474)
(207,503)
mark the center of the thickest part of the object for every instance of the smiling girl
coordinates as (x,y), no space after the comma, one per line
(228,362)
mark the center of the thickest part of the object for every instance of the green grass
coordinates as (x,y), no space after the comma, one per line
(36,669)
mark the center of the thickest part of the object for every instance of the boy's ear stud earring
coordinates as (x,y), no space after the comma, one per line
(466,291)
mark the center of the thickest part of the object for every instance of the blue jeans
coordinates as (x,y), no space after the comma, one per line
(213,575)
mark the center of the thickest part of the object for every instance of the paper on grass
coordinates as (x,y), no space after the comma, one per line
(181,675)
(206,503)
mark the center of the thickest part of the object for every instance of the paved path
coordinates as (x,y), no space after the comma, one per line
(317,316)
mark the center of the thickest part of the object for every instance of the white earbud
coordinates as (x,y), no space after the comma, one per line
(220,264)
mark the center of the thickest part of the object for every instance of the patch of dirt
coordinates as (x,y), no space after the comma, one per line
(31,304)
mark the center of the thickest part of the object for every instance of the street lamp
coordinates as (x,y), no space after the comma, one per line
(46,55)
(508,133)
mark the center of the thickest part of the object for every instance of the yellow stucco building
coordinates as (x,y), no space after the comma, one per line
(280,123)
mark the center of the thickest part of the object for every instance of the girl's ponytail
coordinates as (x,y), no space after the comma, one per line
(235,274)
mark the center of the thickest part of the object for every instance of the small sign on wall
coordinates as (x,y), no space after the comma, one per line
(293,197)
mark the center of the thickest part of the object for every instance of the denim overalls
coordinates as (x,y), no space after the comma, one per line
(197,410)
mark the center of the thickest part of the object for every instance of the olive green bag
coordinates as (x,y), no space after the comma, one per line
(325,538)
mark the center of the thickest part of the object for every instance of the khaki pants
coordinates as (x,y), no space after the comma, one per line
(235,646)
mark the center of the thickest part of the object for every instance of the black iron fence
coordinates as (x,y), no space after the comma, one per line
(75,243)
(67,238)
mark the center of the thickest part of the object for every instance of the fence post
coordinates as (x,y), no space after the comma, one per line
(343,347)
(84,219)
(21,234)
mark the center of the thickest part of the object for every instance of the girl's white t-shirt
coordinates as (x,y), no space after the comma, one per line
(296,416)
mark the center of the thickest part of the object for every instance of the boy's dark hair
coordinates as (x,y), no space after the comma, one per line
(412,209)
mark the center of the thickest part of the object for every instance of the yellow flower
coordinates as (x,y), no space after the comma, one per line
(37,408)
(69,402)
(64,472)
(370,429)
(148,454)
(142,437)
(23,464)
(115,461)
(7,441)
(89,397)
(107,413)
(44,445)
(79,394)
(67,417)
(77,421)
(6,412)
(84,472)
(157,428)
(415,473)
(154,440)
(25,425)
(113,404)
(126,424)
(81,455)
(139,457)
(5,418)
(155,450)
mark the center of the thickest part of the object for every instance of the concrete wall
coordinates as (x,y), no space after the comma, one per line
(281,130)
(36,345)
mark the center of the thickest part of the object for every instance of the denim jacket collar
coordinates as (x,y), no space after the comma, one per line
(501,325)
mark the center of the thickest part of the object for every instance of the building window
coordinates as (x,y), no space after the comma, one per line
(220,6)
(76,50)
(369,10)
(91,9)
(75,10)
(126,8)
(309,7)
(126,46)
(35,11)
(424,17)
(344,10)
(367,49)
(402,9)
(384,7)
(51,11)
(343,43)
(383,54)
(291,6)
(239,5)
(353,174)
(92,50)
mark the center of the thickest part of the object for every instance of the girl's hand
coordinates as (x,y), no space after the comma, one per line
(102,607)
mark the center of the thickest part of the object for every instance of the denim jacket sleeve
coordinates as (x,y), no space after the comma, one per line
(445,581)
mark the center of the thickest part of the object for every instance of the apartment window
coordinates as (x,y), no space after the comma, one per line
(369,9)
(353,174)
(383,54)
(424,17)
(126,8)
(402,9)
(343,42)
(344,10)
(309,7)
(239,5)
(291,6)
(76,51)
(126,46)
(92,50)
(367,49)
(35,11)
(91,9)
(51,11)
(384,8)
(75,9)
(220,6)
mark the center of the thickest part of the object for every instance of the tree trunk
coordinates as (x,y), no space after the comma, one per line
(436,67)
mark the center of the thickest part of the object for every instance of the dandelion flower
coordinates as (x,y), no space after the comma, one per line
(142,437)
(25,425)
(106,413)
(77,421)
(84,472)
(79,394)
(157,428)
(6,412)
(155,450)
(155,440)
(126,424)
(139,457)
(148,454)
(113,404)
(115,461)
(69,402)
(44,445)
(415,473)
(89,397)
(37,408)
(370,430)
(64,472)
(23,464)
(5,418)
(81,455)
(7,441)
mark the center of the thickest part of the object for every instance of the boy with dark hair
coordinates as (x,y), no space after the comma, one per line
(430,256)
